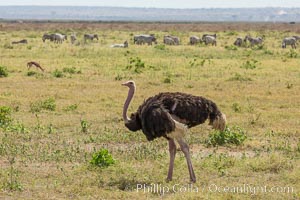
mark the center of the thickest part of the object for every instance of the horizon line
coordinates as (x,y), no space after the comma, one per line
(137,7)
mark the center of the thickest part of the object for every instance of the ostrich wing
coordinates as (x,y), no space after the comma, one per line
(156,121)
(188,109)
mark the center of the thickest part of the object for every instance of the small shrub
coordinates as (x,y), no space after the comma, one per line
(102,158)
(234,135)
(3,71)
(5,116)
(58,74)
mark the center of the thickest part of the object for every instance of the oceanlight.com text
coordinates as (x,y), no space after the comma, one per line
(212,188)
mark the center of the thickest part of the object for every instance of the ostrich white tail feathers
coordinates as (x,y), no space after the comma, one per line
(219,123)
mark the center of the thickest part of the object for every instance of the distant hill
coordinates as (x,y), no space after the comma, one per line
(149,14)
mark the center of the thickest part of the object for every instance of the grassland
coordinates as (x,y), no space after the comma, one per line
(58,122)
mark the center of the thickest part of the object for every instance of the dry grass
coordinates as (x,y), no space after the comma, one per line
(49,159)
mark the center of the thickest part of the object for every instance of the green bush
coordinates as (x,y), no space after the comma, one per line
(3,71)
(234,135)
(5,116)
(102,158)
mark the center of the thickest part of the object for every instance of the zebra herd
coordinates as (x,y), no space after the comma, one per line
(167,39)
(211,39)
(60,38)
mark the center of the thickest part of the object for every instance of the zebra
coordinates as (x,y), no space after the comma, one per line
(210,40)
(47,36)
(24,41)
(253,41)
(289,41)
(59,38)
(90,37)
(238,42)
(142,39)
(124,45)
(212,35)
(171,40)
(195,40)
(168,40)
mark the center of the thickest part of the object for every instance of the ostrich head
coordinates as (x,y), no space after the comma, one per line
(133,122)
(130,84)
(219,123)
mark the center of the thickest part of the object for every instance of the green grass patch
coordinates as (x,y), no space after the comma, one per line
(234,135)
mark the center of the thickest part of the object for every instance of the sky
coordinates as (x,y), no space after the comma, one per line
(160,3)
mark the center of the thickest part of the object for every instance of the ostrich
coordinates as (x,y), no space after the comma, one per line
(169,115)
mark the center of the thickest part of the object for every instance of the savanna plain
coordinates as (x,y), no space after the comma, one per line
(53,122)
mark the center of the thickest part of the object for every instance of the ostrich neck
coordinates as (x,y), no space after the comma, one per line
(126,104)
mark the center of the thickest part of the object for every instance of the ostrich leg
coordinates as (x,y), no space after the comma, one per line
(185,149)
(172,150)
